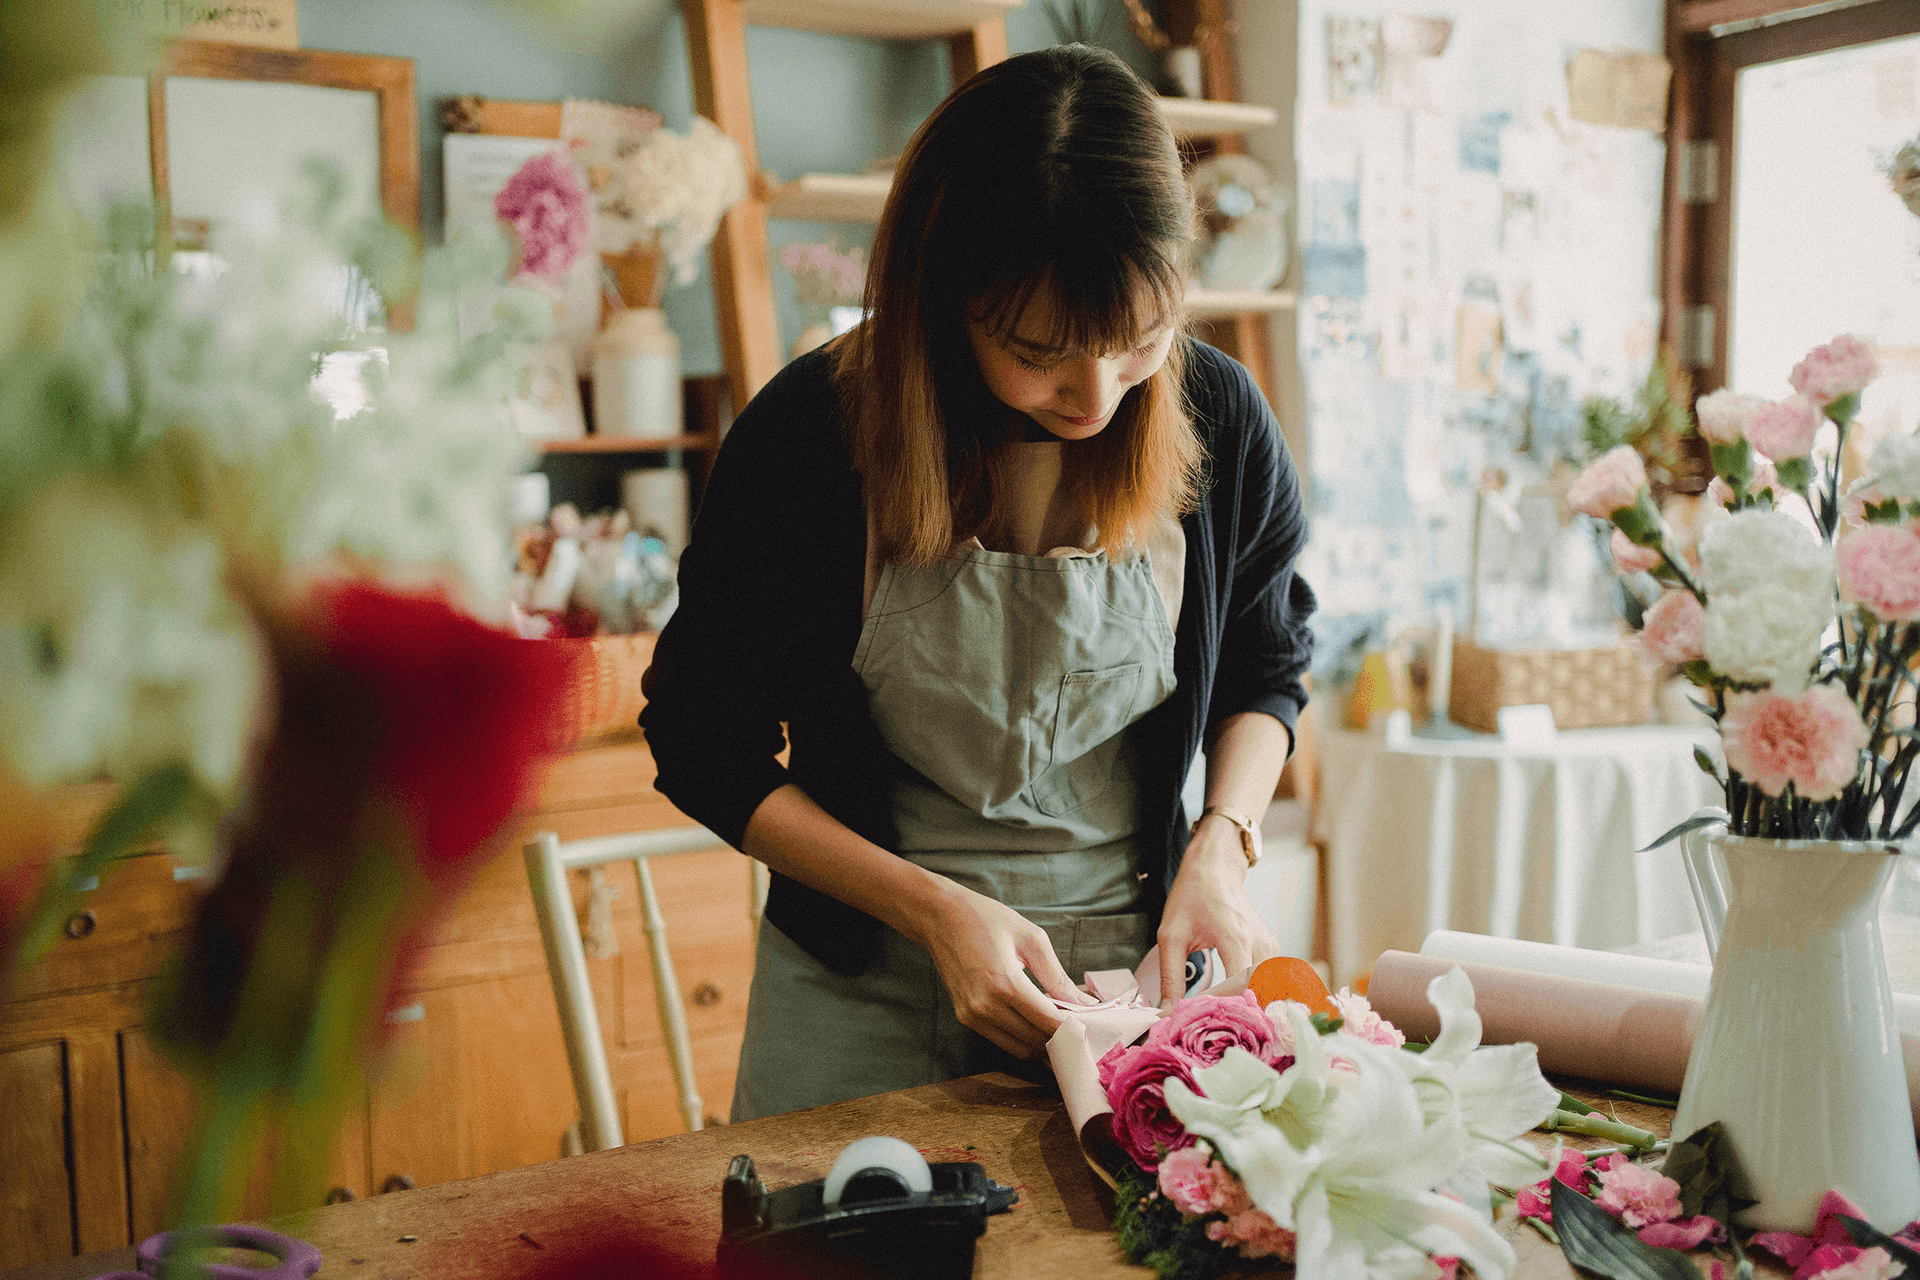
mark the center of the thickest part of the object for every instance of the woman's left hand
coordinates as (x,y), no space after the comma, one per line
(1209,907)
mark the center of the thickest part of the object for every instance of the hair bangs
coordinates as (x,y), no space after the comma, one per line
(1101,307)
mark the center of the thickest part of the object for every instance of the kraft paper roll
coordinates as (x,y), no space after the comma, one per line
(1622,1035)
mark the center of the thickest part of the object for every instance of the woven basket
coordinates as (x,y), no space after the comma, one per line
(605,697)
(1587,688)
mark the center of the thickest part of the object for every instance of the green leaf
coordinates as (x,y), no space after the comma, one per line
(1327,1023)
(1887,512)
(1596,1243)
(1866,1236)
(1704,1166)
(1694,823)
(1570,1103)
(1733,462)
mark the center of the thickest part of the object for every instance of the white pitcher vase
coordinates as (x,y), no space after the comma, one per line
(1798,1051)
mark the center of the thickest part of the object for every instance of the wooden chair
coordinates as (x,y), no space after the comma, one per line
(549,859)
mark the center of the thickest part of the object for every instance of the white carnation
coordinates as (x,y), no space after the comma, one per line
(1896,466)
(1767,634)
(1761,546)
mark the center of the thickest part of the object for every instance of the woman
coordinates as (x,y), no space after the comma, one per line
(948,553)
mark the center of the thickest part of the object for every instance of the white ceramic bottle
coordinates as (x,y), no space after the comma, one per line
(636,376)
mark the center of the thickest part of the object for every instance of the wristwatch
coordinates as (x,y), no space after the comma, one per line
(1249,830)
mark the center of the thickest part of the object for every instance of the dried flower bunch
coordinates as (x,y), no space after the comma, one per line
(545,203)
(668,190)
(825,276)
(1799,615)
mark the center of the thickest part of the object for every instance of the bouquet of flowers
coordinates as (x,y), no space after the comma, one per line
(1798,612)
(1279,1136)
(667,191)
(825,276)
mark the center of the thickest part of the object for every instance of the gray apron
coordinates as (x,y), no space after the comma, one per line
(1005,683)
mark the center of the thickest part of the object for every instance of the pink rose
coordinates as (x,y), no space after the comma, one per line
(1203,1028)
(1813,741)
(1880,567)
(1135,1080)
(1841,368)
(1723,415)
(1683,1233)
(1359,1019)
(1186,1178)
(1637,1195)
(1673,629)
(1784,428)
(1611,483)
(547,208)
(1630,557)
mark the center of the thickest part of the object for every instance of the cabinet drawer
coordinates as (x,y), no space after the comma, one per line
(121,931)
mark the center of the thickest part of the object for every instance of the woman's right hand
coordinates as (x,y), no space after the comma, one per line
(981,948)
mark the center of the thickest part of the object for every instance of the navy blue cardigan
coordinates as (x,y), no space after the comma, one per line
(770,612)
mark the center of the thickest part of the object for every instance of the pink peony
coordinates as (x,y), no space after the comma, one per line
(1612,483)
(1880,567)
(1637,1195)
(1841,368)
(1630,557)
(1674,627)
(546,206)
(1187,1179)
(1683,1233)
(1723,415)
(1359,1019)
(1784,429)
(1813,741)
(1203,1028)
(1135,1079)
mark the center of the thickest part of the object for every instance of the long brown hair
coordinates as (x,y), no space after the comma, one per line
(1052,176)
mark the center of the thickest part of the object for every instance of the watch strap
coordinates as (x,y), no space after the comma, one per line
(1249,830)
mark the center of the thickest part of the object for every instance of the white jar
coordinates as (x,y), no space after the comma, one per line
(636,376)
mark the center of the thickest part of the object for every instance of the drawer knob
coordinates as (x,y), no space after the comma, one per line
(340,1195)
(82,923)
(706,995)
(396,1182)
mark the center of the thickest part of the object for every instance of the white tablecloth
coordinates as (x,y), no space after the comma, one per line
(1536,842)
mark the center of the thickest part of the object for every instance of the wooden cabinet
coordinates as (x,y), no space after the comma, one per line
(475,1079)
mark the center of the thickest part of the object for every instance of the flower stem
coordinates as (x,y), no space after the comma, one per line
(1594,1125)
(1552,1236)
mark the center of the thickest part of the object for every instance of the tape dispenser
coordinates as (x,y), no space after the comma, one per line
(881,1213)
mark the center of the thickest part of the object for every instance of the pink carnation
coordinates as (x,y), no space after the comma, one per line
(1359,1019)
(1813,741)
(1187,1179)
(1255,1234)
(546,206)
(1784,428)
(1841,368)
(1684,1233)
(1135,1080)
(1613,482)
(1723,415)
(1637,1195)
(1765,480)
(1854,503)
(1880,567)
(1630,557)
(1203,1028)
(1673,628)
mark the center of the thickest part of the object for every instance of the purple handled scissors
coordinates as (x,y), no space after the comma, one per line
(298,1259)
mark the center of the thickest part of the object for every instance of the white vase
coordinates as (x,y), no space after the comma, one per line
(1798,1051)
(636,376)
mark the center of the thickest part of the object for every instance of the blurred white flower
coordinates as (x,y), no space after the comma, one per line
(1763,546)
(1895,464)
(1767,634)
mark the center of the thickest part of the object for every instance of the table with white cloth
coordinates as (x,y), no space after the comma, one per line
(1541,841)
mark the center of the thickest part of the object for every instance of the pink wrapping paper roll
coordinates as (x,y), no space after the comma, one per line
(1620,1035)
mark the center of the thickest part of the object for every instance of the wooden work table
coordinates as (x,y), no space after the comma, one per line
(653,1209)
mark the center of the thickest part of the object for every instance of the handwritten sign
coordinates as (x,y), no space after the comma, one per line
(273,24)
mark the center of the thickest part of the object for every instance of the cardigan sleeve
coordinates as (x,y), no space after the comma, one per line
(1265,644)
(719,688)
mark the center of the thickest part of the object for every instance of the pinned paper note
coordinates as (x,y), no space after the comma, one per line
(1625,89)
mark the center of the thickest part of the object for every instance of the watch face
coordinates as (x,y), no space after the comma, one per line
(1196,971)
